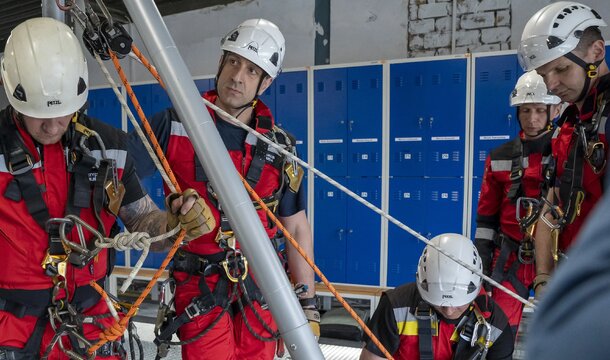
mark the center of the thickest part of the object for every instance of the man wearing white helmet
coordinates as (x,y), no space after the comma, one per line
(232,320)
(444,314)
(56,162)
(512,171)
(562,41)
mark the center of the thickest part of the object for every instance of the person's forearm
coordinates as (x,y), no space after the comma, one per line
(543,246)
(300,270)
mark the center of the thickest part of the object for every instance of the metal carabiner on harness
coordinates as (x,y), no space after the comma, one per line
(235,259)
(80,255)
(527,223)
(484,340)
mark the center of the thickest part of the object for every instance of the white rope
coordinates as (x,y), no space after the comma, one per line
(353,195)
(356,197)
(136,240)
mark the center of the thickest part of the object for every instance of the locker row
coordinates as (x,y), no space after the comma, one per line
(403,135)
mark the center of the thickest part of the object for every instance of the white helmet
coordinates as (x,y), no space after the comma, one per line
(259,41)
(443,282)
(531,89)
(554,31)
(44,70)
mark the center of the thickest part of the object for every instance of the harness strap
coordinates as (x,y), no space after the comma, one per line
(423,314)
(571,192)
(516,171)
(508,246)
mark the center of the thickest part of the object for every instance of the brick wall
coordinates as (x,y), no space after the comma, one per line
(481,25)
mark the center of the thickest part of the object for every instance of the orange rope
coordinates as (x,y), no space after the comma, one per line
(147,64)
(294,243)
(118,328)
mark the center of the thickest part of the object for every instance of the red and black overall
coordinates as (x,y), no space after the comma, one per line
(42,182)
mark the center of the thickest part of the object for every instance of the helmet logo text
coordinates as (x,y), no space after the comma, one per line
(447,296)
(252,46)
(53,102)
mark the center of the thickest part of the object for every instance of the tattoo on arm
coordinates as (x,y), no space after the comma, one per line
(144,215)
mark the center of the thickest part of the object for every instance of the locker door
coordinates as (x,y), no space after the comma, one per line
(268,97)
(446,117)
(494,120)
(159,99)
(204,85)
(407,110)
(407,204)
(364,97)
(363,230)
(444,197)
(103,105)
(330,114)
(330,235)
(291,107)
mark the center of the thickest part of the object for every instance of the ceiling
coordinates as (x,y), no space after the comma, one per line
(16,11)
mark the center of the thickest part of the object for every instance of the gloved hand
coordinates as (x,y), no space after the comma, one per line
(310,308)
(191,212)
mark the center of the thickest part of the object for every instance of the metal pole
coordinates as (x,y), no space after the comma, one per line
(218,166)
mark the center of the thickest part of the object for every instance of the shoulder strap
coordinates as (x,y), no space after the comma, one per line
(423,314)
(516,170)
(19,163)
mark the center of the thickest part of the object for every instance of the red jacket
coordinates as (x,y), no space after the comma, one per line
(562,143)
(181,156)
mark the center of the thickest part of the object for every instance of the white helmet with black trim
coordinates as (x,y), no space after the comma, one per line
(442,281)
(531,89)
(44,70)
(259,41)
(555,31)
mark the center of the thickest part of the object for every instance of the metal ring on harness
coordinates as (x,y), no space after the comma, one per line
(237,255)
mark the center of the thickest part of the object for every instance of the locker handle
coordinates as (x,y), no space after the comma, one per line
(509,118)
(340,232)
(421,120)
(431,120)
(351,125)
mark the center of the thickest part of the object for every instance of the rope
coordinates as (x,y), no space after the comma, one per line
(118,328)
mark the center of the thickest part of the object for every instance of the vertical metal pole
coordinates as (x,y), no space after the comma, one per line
(210,149)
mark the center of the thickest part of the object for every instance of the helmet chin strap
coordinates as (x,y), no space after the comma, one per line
(590,70)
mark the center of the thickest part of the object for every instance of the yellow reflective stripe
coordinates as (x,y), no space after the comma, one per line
(409,328)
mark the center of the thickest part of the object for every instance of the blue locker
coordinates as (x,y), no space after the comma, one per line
(495,122)
(291,107)
(363,228)
(476,195)
(204,85)
(444,200)
(330,235)
(445,117)
(407,204)
(364,122)
(330,114)
(159,99)
(104,105)
(407,113)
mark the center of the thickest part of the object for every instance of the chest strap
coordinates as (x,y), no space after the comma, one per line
(516,171)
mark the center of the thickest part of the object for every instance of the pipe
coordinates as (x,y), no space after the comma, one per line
(234,199)
(50,9)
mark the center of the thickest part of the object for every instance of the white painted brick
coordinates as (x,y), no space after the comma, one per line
(467,37)
(421,53)
(413,12)
(421,26)
(416,42)
(505,46)
(487,47)
(432,11)
(462,49)
(418,2)
(443,51)
(503,18)
(436,40)
(494,35)
(443,24)
(475,6)
(477,21)
(438,1)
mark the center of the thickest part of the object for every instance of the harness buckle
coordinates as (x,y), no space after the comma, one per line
(235,258)
(22,166)
(526,253)
(196,308)
(55,265)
